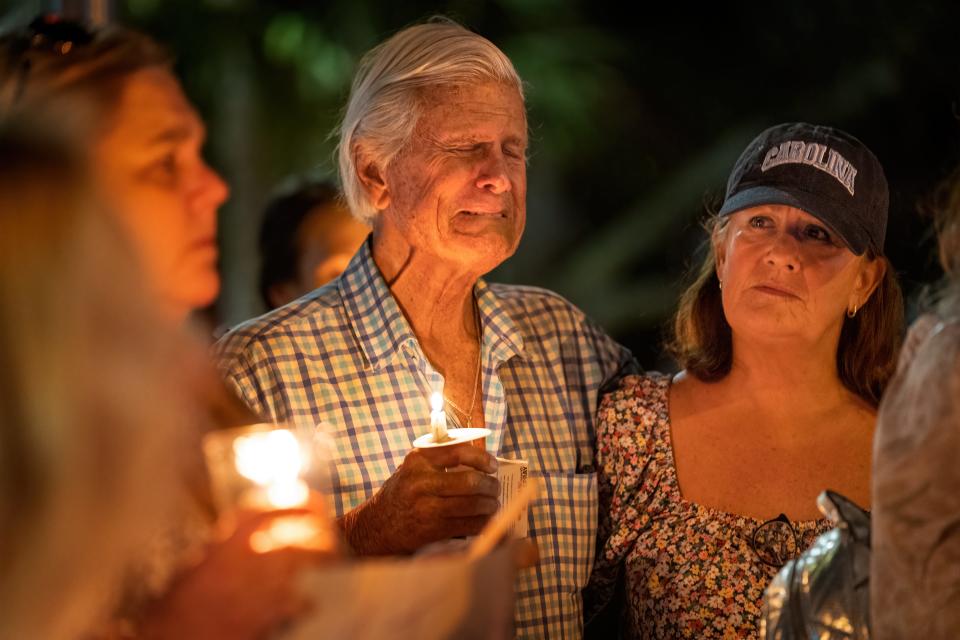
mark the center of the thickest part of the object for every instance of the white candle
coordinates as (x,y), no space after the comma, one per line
(438,419)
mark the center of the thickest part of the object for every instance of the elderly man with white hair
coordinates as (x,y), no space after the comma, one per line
(433,154)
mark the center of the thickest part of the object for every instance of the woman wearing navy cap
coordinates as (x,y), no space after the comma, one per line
(787,337)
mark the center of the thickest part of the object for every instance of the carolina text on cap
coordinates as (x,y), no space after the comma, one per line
(813,154)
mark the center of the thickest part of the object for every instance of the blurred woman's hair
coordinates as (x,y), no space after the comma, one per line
(91,394)
(57,58)
(701,340)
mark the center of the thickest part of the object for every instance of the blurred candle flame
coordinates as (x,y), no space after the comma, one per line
(285,495)
(273,460)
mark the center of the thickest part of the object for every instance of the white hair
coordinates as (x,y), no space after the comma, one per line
(383,107)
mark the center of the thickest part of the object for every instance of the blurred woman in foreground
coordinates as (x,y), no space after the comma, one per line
(91,412)
(708,479)
(97,406)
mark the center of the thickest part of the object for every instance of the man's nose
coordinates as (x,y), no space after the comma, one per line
(493,174)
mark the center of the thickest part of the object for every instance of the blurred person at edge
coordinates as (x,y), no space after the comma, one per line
(145,145)
(98,405)
(307,238)
(94,400)
(433,153)
(787,339)
(141,141)
(915,537)
(144,141)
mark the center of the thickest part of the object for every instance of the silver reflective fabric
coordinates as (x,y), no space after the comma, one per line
(824,594)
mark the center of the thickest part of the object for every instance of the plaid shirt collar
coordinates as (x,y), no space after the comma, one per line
(382,331)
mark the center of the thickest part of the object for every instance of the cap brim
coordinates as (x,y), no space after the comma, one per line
(815,206)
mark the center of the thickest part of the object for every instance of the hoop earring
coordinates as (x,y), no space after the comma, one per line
(720,283)
(851,314)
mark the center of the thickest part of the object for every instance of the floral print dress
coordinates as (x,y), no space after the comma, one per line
(690,570)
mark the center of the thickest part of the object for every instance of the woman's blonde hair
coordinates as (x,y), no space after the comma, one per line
(91,402)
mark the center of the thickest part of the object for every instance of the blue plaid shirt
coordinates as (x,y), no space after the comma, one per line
(346,355)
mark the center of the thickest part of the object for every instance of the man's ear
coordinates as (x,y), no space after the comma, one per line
(372,176)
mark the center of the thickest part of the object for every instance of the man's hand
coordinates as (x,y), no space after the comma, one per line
(422,503)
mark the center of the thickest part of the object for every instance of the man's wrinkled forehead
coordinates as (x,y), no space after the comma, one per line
(471,102)
(452,92)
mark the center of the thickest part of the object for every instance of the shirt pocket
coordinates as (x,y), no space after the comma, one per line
(563,521)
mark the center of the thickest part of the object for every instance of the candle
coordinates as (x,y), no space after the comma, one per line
(438,419)
(266,469)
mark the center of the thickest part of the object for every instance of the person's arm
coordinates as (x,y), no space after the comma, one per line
(625,482)
(616,361)
(600,593)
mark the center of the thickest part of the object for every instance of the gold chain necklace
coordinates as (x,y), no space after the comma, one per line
(468,415)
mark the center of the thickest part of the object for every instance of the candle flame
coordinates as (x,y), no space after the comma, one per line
(287,494)
(268,457)
(436,401)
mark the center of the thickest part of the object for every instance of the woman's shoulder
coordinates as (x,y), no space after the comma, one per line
(638,404)
(639,391)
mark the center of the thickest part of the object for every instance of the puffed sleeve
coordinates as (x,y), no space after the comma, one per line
(628,463)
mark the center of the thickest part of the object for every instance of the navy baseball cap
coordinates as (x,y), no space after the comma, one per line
(824,171)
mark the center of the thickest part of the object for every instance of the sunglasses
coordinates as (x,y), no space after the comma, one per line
(775,542)
(47,34)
